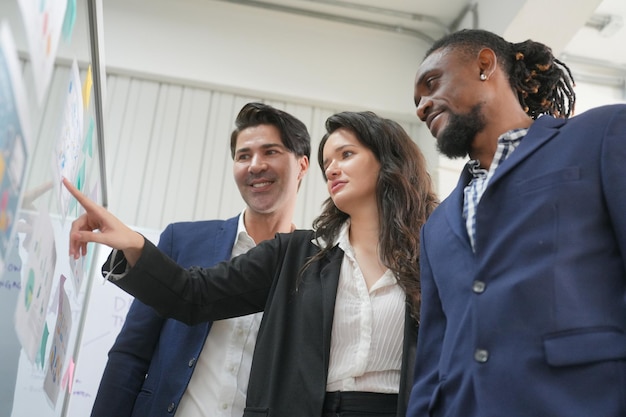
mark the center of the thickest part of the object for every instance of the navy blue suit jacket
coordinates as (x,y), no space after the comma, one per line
(533,324)
(152,359)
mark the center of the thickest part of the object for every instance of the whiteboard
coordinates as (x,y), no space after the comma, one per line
(105,314)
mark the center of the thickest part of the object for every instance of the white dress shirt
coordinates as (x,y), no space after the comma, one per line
(368,329)
(219,383)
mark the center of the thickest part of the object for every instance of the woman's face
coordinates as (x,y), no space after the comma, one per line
(351,172)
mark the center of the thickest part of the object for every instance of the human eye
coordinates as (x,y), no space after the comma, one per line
(347,154)
(242,157)
(426,82)
(430,82)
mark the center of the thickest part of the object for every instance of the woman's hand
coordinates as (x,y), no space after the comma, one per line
(100,226)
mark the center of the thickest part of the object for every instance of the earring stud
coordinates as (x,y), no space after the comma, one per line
(483,76)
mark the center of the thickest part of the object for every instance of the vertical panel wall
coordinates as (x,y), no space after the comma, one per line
(168,151)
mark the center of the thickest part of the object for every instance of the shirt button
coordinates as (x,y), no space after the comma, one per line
(478,287)
(171,407)
(192,362)
(224,406)
(481,355)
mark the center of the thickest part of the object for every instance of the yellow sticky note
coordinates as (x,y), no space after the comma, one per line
(87,88)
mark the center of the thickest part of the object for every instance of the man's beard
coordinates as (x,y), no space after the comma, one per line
(457,137)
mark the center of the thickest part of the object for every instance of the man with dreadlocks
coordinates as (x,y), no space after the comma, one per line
(523,265)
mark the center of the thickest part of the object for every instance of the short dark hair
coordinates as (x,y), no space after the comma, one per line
(293,133)
(543,84)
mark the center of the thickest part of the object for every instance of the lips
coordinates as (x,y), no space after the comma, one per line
(261,184)
(337,185)
(430,119)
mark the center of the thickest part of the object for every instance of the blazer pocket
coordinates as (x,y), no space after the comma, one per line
(585,346)
(256,412)
(548,180)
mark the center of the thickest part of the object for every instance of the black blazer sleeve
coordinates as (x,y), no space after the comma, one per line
(229,289)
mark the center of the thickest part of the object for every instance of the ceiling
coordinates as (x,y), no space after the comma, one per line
(595,39)
(603,38)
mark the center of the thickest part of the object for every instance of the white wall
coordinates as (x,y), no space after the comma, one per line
(264,51)
(589,95)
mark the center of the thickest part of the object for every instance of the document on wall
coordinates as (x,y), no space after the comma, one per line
(37,279)
(69,149)
(43,22)
(14,138)
(58,350)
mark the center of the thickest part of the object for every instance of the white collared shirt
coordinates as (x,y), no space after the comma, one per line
(368,329)
(219,383)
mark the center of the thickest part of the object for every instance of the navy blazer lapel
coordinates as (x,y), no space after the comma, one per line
(224,239)
(541,131)
(454,206)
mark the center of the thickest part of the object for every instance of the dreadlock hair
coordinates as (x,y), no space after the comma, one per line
(404,195)
(543,84)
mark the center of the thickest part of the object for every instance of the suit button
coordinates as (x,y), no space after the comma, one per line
(171,407)
(478,287)
(481,355)
(192,362)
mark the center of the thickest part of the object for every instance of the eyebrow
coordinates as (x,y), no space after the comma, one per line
(425,74)
(419,81)
(421,78)
(264,146)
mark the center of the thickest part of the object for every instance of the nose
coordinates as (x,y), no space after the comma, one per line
(332,170)
(424,107)
(257,164)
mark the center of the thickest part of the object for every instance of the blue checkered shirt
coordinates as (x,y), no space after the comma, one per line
(473,191)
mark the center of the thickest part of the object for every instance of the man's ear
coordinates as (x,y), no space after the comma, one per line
(487,63)
(304,166)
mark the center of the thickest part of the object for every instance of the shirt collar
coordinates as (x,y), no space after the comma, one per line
(242,232)
(342,238)
(513,136)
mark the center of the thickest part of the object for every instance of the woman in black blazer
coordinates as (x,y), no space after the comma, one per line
(340,302)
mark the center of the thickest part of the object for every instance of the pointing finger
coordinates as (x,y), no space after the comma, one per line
(82,199)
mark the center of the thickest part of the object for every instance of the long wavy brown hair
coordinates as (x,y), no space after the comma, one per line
(404,194)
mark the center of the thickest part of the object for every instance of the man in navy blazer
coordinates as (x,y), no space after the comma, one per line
(524,264)
(160,367)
